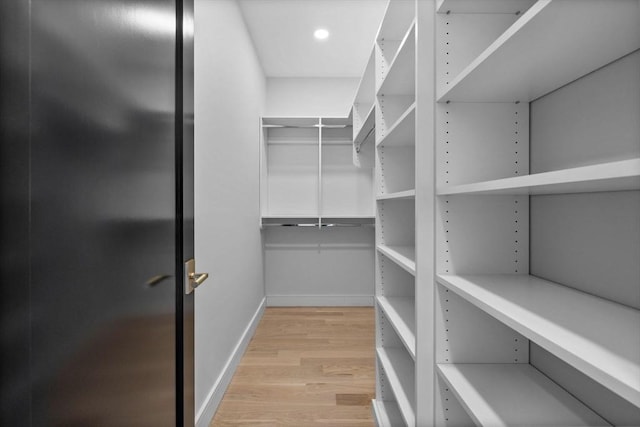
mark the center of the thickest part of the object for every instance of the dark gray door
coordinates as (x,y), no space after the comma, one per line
(93,316)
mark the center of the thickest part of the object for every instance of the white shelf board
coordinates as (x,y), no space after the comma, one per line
(484,6)
(408,194)
(289,220)
(348,219)
(400,375)
(397,18)
(304,122)
(612,176)
(400,78)
(403,131)
(386,413)
(502,395)
(336,122)
(401,313)
(404,256)
(366,86)
(596,336)
(552,44)
(366,131)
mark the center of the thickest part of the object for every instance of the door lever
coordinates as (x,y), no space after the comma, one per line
(192,279)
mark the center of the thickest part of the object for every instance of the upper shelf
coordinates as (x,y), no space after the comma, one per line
(596,336)
(314,220)
(400,195)
(300,122)
(402,132)
(400,78)
(365,93)
(484,6)
(612,176)
(552,44)
(502,395)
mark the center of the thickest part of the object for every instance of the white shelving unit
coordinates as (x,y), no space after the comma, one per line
(492,170)
(537,309)
(533,52)
(507,394)
(307,173)
(394,96)
(511,347)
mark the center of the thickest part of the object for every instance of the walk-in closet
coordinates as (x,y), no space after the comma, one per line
(472,192)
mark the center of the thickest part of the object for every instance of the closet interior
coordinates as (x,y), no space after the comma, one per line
(482,193)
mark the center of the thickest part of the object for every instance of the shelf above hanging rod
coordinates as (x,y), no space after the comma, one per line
(304,221)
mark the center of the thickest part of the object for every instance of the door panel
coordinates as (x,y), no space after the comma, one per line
(14,225)
(103,217)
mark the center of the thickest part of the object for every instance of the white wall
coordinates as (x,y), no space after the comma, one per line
(229,98)
(310,96)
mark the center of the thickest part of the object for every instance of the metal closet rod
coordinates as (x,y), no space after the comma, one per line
(365,139)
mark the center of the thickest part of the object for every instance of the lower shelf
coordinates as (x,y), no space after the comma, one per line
(497,395)
(401,313)
(399,369)
(386,413)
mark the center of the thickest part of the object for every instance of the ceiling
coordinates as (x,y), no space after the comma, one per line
(282,31)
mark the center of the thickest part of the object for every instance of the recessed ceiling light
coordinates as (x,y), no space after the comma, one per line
(321,34)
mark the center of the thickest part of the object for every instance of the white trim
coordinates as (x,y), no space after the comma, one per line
(319,300)
(208,409)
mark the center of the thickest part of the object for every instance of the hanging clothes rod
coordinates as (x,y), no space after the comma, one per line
(364,140)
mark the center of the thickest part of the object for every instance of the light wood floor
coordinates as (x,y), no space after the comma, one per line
(305,366)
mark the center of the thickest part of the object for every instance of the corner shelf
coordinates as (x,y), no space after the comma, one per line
(400,79)
(401,313)
(402,132)
(400,375)
(404,256)
(612,176)
(531,54)
(502,395)
(581,335)
(400,195)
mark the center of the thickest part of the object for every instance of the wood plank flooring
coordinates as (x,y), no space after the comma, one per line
(305,366)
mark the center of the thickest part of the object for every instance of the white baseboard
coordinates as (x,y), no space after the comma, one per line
(208,409)
(319,300)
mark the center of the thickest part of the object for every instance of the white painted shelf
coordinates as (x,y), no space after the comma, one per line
(502,395)
(403,131)
(400,78)
(596,336)
(552,44)
(302,122)
(612,176)
(348,219)
(386,413)
(366,131)
(401,313)
(484,6)
(400,375)
(314,220)
(404,256)
(400,195)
